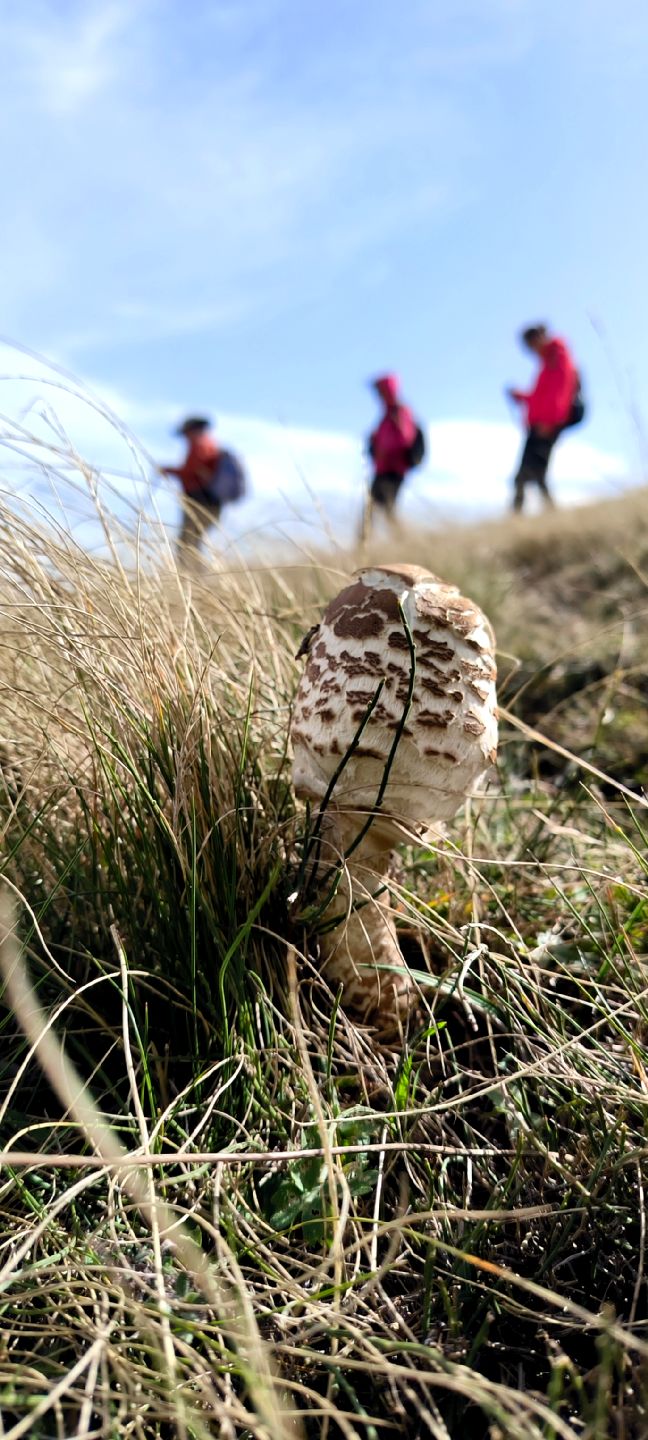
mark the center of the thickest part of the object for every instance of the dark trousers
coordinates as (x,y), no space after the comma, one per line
(533,467)
(199,512)
(384,490)
(383,494)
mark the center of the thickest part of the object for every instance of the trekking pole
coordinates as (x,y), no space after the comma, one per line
(363,531)
(513,405)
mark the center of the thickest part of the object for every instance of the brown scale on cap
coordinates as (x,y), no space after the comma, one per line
(447,738)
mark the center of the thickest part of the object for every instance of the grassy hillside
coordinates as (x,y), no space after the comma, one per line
(441,1238)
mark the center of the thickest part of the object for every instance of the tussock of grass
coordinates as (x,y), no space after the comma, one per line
(443,1238)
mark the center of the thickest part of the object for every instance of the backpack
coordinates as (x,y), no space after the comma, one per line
(417,449)
(579,408)
(229,482)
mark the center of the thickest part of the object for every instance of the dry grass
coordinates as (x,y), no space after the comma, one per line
(444,1239)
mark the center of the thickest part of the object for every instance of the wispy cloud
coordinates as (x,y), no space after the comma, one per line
(303,480)
(67,60)
(192,164)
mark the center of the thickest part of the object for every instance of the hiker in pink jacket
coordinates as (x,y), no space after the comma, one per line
(396,446)
(551,406)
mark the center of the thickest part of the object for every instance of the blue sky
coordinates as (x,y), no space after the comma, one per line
(250,206)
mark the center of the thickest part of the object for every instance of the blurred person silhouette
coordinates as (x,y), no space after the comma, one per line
(396,446)
(210,477)
(553,405)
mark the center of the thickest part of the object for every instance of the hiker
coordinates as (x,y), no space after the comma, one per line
(210,478)
(554,404)
(396,446)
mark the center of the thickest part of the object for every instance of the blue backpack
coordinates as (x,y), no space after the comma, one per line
(228,483)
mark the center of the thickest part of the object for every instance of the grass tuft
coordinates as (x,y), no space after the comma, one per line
(445,1238)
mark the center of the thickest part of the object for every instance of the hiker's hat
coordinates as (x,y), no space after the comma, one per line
(193,425)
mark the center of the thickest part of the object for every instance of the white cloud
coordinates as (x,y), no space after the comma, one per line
(471,464)
(305,483)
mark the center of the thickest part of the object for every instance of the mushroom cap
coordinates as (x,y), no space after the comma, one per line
(449,734)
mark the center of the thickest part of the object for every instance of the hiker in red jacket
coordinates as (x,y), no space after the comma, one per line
(196,474)
(396,446)
(550,407)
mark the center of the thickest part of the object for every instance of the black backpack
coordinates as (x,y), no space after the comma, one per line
(417,449)
(579,408)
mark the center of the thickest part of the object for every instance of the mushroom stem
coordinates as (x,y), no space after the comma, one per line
(358,950)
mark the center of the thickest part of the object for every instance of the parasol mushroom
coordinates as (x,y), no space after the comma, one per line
(393,726)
